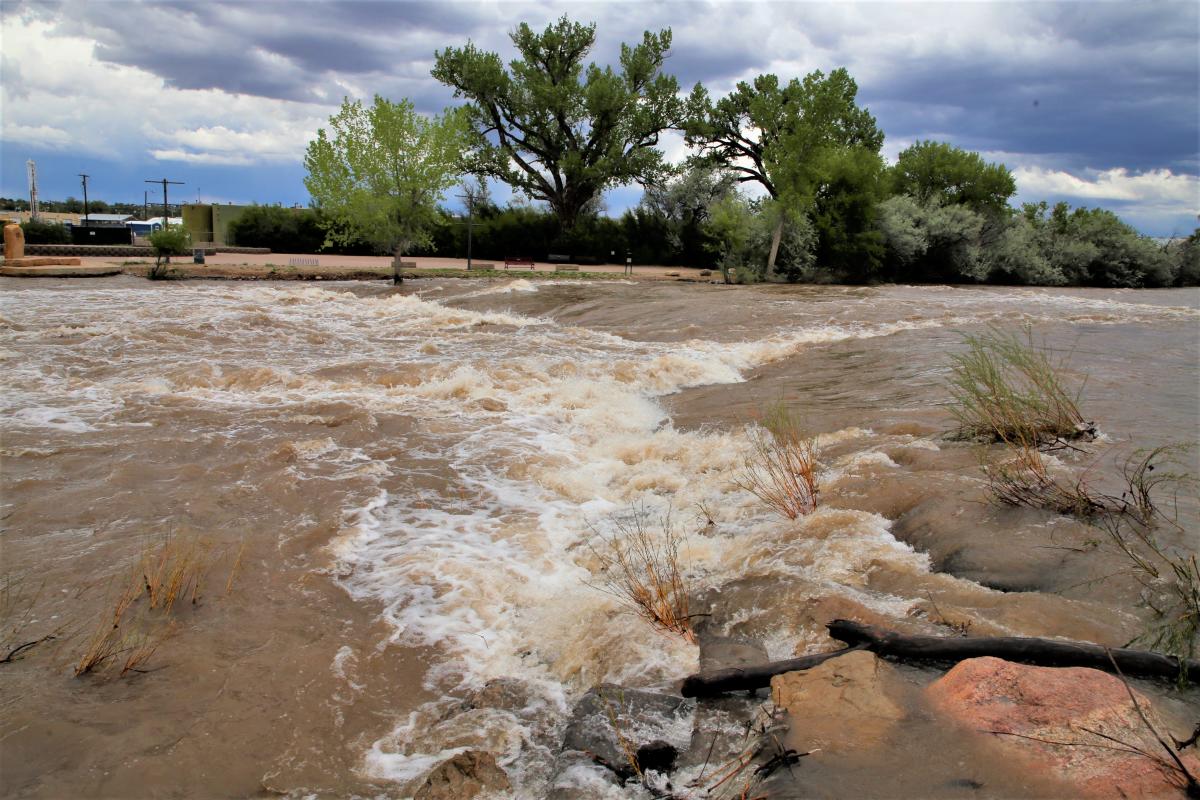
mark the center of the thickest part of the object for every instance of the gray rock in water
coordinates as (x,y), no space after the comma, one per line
(640,718)
(727,652)
(466,775)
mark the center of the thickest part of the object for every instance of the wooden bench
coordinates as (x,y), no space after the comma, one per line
(518,261)
(303,261)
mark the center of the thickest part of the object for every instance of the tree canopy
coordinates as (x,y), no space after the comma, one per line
(788,138)
(379,173)
(940,171)
(560,132)
(774,135)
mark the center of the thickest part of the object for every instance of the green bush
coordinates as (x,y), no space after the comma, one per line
(171,241)
(46,233)
(283,230)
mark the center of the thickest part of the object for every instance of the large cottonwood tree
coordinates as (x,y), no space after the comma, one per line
(782,136)
(559,131)
(379,173)
(940,172)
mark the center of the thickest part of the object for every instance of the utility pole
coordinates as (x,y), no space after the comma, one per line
(166,210)
(31,168)
(145,204)
(469,199)
(86,222)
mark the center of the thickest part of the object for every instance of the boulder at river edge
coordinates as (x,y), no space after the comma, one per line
(463,776)
(1055,720)
(845,704)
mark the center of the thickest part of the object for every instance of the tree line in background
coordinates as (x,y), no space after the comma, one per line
(73,205)
(824,205)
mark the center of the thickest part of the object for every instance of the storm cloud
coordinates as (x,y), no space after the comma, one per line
(1081,89)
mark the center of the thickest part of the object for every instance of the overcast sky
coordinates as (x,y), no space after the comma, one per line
(1096,103)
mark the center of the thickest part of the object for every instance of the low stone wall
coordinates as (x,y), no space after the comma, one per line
(123,251)
(113,250)
(257,251)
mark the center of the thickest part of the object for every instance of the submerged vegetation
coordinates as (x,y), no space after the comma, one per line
(781,464)
(132,631)
(1007,389)
(639,565)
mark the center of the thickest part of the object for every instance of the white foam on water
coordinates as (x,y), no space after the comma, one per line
(542,431)
(47,417)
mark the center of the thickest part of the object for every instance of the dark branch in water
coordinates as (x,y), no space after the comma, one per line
(905,647)
(1025,650)
(706,684)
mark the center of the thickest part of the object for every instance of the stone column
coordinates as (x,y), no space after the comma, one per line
(14,241)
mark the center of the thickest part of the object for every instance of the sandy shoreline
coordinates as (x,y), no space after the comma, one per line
(291,266)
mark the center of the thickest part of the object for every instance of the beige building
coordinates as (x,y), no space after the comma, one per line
(61,218)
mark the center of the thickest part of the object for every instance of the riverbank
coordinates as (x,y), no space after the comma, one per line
(288,267)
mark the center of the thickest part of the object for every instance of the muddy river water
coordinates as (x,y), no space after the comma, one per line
(401,486)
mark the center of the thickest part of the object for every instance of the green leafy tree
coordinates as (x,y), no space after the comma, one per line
(378,173)
(283,230)
(939,171)
(560,132)
(781,136)
(682,205)
(1186,253)
(843,212)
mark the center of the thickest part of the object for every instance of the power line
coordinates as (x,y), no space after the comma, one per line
(166,210)
(86,221)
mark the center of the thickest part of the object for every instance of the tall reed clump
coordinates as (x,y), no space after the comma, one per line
(639,565)
(781,464)
(1008,389)
(140,619)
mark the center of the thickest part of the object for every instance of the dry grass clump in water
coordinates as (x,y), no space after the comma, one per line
(781,465)
(1169,575)
(1133,524)
(176,570)
(1025,480)
(165,574)
(640,567)
(1008,389)
(17,602)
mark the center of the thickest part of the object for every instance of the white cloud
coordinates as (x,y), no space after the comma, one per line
(1158,188)
(43,135)
(200,158)
(66,98)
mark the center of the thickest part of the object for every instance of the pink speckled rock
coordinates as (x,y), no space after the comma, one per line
(1064,709)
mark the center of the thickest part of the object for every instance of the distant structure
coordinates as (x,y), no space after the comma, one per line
(208,223)
(31,169)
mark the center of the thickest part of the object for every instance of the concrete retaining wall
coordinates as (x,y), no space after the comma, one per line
(122,251)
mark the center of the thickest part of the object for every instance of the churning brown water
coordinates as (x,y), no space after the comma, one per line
(417,474)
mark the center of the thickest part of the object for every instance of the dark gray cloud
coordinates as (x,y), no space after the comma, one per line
(1096,84)
(1126,101)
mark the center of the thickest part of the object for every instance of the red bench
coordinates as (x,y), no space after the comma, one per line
(518,261)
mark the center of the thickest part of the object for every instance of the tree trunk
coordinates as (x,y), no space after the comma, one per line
(904,647)
(397,258)
(707,684)
(776,237)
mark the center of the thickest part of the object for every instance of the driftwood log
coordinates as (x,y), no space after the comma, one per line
(719,681)
(1023,650)
(906,647)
